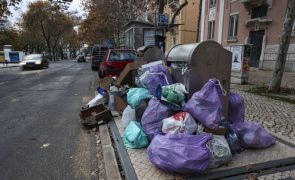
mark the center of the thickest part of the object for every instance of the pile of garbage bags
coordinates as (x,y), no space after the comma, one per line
(161,117)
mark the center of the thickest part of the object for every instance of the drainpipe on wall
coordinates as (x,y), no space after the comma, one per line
(203,20)
(199,20)
(220,23)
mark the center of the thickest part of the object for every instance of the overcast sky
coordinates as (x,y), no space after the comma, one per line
(75,5)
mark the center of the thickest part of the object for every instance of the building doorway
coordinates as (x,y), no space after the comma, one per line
(256,38)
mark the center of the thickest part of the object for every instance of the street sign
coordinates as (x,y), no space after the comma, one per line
(108,42)
(162,20)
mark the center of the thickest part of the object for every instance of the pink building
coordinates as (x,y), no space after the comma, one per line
(256,22)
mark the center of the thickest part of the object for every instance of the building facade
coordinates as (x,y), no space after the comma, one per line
(255,22)
(139,33)
(187,22)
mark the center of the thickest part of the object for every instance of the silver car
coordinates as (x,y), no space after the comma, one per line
(34,61)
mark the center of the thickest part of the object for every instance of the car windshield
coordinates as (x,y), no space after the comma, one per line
(33,57)
(123,55)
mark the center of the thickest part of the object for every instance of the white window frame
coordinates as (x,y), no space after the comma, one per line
(211,30)
(234,28)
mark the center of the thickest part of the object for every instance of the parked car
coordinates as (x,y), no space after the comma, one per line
(34,61)
(98,52)
(115,61)
(81,58)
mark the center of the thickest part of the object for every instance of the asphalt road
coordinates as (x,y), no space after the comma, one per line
(41,136)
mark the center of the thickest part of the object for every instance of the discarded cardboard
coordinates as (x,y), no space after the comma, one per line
(126,75)
(105,82)
(95,115)
(121,103)
(218,131)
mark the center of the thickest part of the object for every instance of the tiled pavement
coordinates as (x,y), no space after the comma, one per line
(142,166)
(277,116)
(288,175)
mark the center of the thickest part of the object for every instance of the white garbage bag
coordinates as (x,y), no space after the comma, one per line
(128,115)
(220,151)
(99,99)
(181,122)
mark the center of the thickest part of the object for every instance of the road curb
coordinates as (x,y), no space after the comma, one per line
(8,67)
(282,139)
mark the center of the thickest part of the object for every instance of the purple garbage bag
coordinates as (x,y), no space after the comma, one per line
(158,76)
(152,117)
(181,153)
(236,111)
(253,135)
(206,105)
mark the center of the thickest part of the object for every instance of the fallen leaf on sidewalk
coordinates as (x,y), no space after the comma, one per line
(252,177)
(248,167)
(45,145)
(97,142)
(94,172)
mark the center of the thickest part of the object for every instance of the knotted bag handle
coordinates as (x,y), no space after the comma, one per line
(217,82)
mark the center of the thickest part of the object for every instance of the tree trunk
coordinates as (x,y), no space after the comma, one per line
(61,52)
(54,53)
(161,6)
(47,39)
(199,21)
(49,51)
(277,76)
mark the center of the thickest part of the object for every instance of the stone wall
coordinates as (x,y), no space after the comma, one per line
(270,55)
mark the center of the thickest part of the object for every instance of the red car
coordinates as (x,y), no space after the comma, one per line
(115,61)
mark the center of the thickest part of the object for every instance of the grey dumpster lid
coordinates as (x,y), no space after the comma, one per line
(181,52)
(151,53)
(187,52)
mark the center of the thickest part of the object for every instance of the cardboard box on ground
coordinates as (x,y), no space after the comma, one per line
(96,115)
(100,114)
(126,77)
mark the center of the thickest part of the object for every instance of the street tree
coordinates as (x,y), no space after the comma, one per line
(278,71)
(106,18)
(6,4)
(43,18)
(69,41)
(10,36)
(32,41)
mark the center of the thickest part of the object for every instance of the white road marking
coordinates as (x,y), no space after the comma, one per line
(1,83)
(45,145)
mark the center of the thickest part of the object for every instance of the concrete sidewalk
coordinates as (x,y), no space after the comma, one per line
(261,77)
(9,65)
